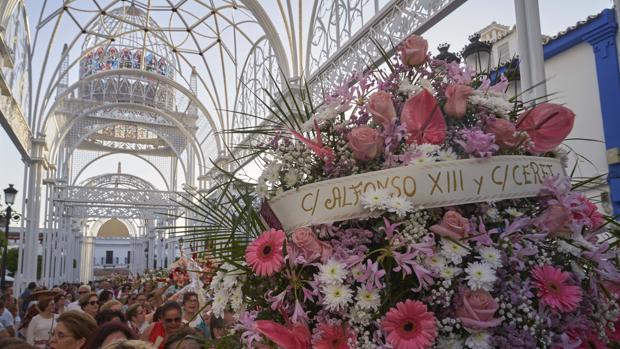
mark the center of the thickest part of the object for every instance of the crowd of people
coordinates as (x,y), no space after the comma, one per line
(108,315)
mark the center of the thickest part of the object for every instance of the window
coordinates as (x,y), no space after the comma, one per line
(109,257)
(503,53)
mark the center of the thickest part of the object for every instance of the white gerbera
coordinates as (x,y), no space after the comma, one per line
(399,205)
(480,276)
(332,272)
(375,199)
(491,255)
(453,251)
(337,296)
(368,299)
(478,340)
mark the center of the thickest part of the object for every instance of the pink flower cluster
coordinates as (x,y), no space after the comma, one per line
(524,273)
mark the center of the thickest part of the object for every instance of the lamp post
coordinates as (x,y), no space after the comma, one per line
(477,54)
(9,198)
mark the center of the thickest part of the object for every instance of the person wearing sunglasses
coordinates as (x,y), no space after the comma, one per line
(82,290)
(72,331)
(90,304)
(170,322)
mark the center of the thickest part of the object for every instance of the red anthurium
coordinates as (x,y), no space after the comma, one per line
(547,125)
(423,119)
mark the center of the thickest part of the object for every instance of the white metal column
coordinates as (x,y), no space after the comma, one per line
(532,61)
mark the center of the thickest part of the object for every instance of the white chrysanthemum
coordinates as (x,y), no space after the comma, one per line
(357,272)
(479,340)
(513,212)
(271,173)
(450,343)
(453,251)
(427,148)
(447,155)
(236,299)
(449,273)
(399,205)
(480,276)
(426,84)
(220,300)
(291,177)
(337,296)
(565,247)
(493,214)
(407,88)
(435,262)
(495,102)
(262,190)
(491,255)
(367,299)
(332,272)
(216,282)
(375,199)
(424,159)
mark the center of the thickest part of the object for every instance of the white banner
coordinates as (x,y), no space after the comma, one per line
(437,184)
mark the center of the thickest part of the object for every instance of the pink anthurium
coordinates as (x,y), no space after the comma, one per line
(547,125)
(423,119)
(297,337)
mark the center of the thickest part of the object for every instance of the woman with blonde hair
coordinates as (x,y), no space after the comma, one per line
(72,331)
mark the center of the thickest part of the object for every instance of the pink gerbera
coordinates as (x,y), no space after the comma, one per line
(333,337)
(264,254)
(410,326)
(553,289)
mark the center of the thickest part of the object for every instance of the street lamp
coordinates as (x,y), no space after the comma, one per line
(477,54)
(9,198)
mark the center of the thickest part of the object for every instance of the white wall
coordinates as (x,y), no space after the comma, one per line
(119,246)
(572,75)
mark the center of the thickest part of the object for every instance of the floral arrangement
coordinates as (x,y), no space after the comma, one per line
(539,272)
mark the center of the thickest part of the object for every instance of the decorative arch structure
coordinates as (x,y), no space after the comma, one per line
(162,82)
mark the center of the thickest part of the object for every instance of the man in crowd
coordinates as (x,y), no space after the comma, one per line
(7,324)
(25,298)
(82,290)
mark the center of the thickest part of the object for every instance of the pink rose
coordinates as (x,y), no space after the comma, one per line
(477,310)
(555,220)
(365,142)
(456,103)
(413,50)
(504,131)
(381,107)
(452,225)
(310,246)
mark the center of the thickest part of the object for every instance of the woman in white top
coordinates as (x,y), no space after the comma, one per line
(42,325)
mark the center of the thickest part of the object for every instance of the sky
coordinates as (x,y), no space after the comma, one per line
(556,15)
